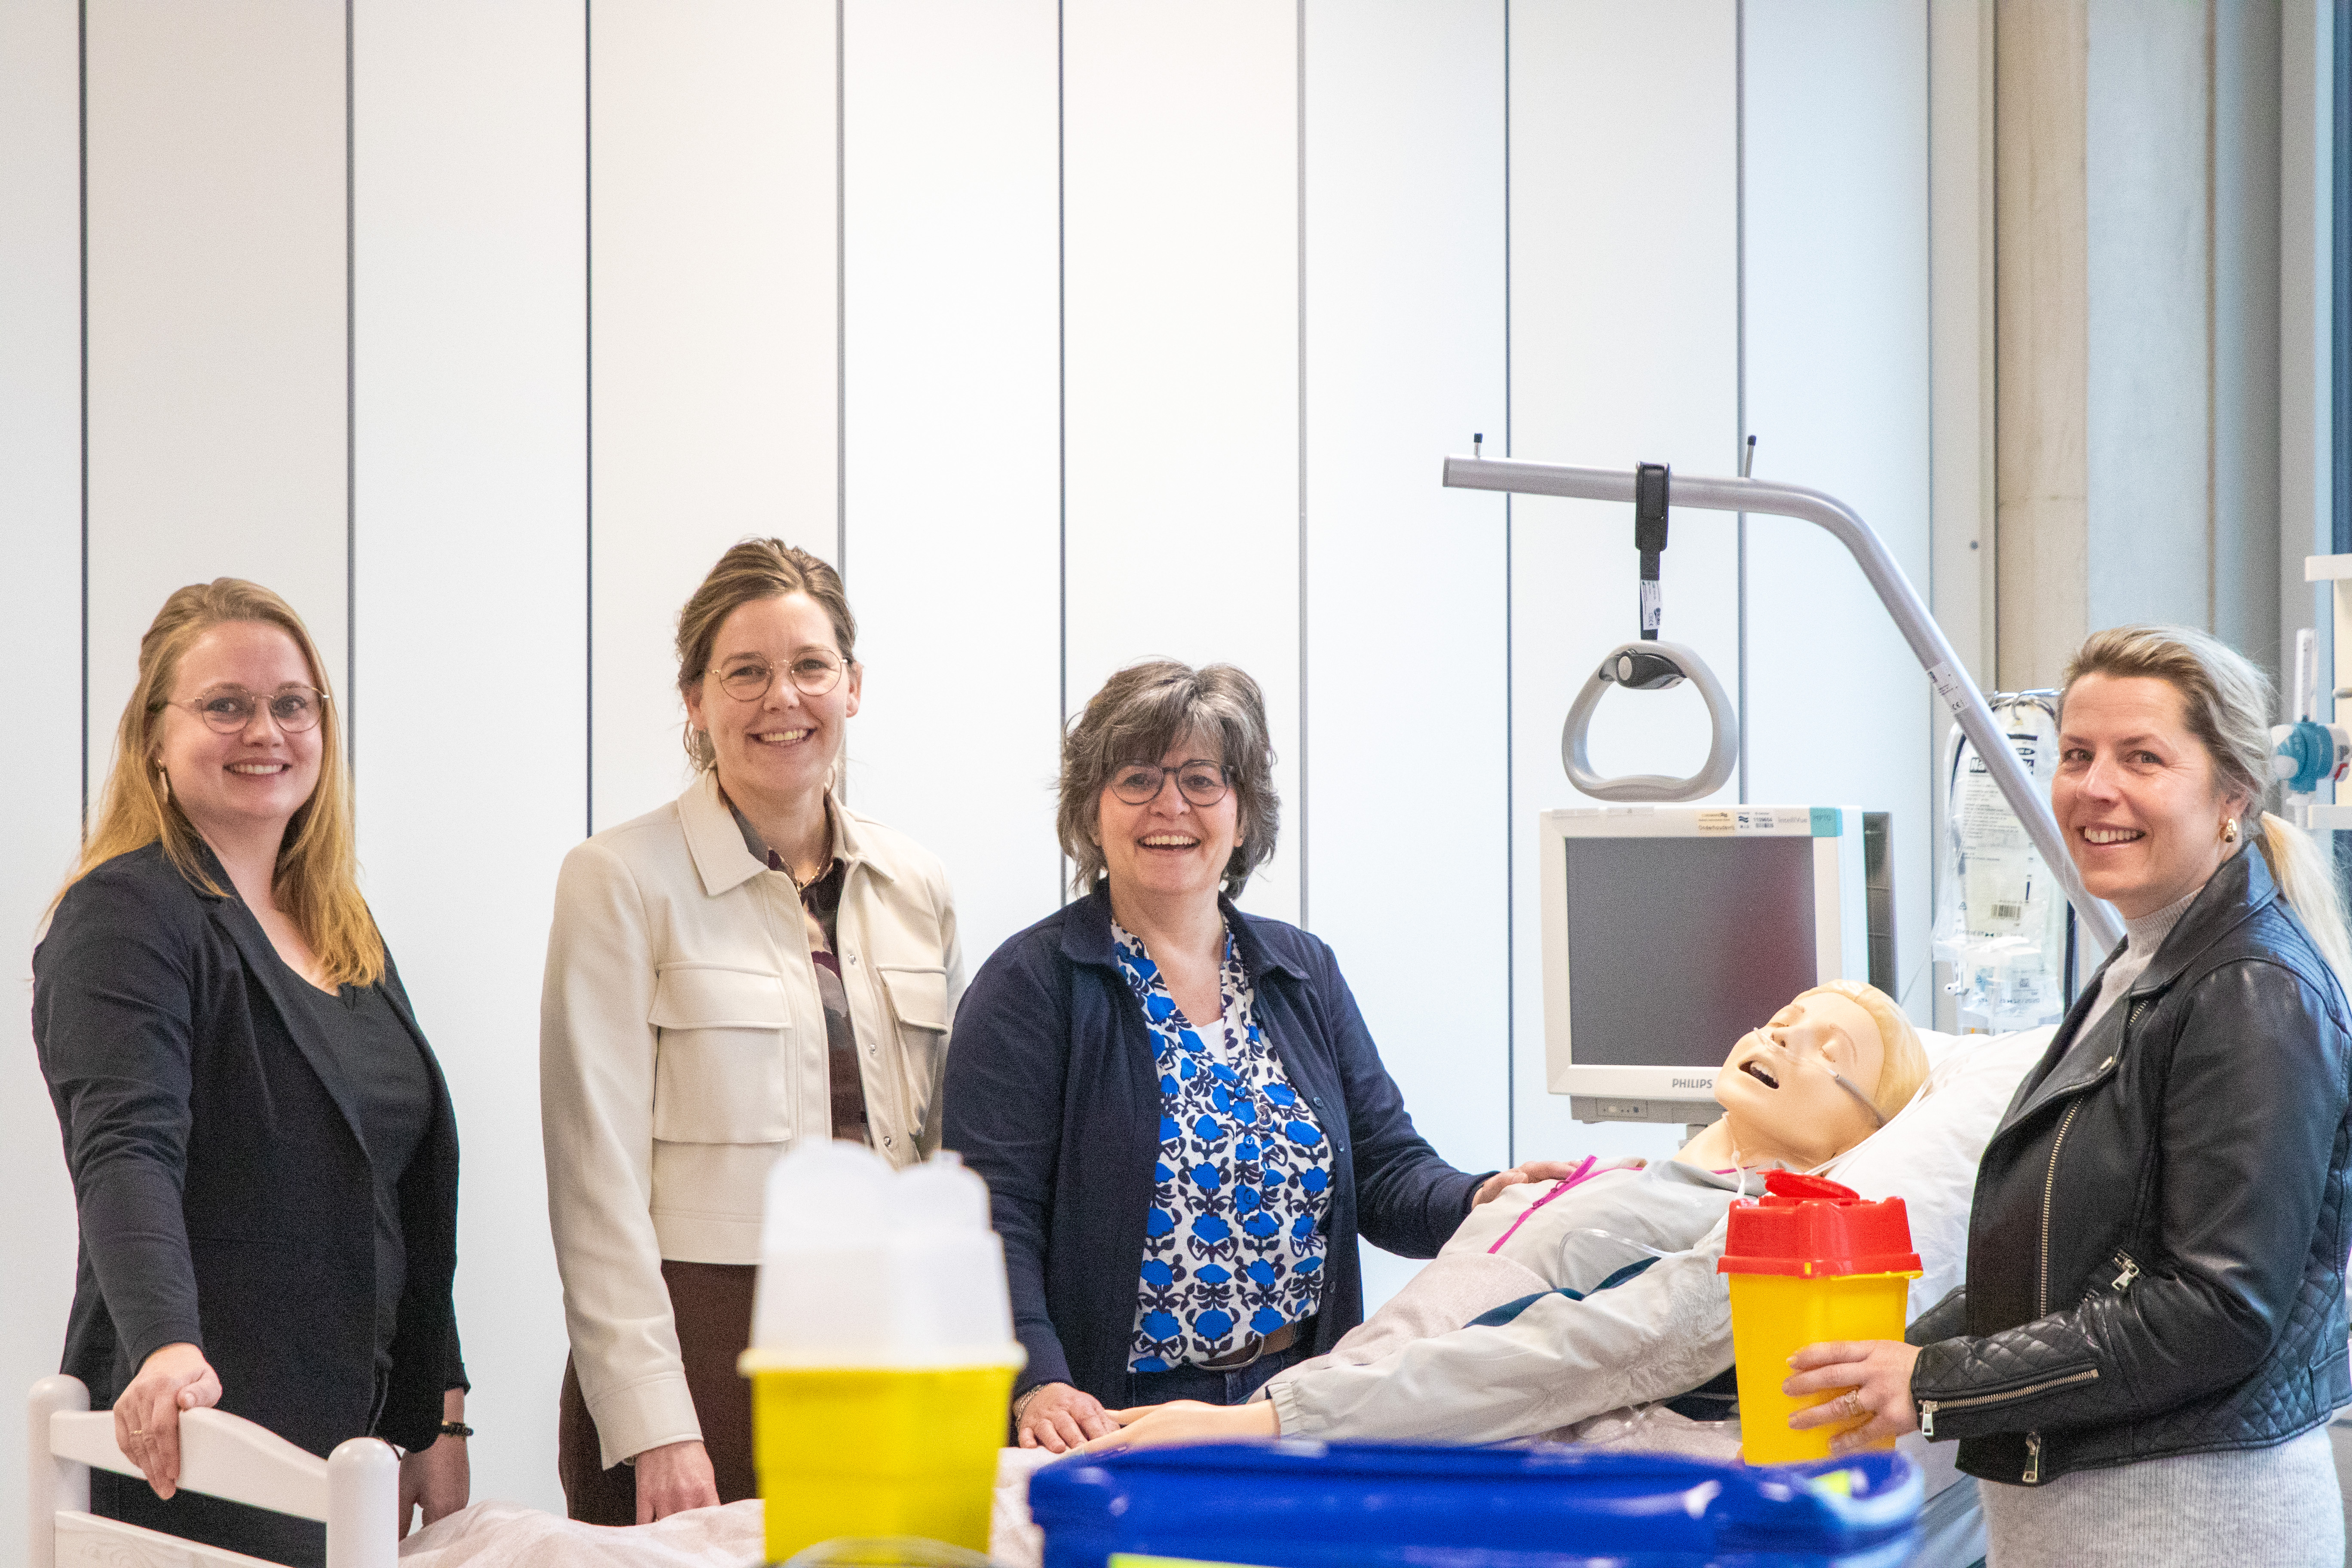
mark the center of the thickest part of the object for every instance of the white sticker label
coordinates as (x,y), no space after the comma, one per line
(1652,608)
(1715,821)
(1750,820)
(1950,686)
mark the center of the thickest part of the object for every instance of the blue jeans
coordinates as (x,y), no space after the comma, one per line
(1188,1382)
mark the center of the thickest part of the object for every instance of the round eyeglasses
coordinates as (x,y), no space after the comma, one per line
(813,674)
(229,708)
(1198,780)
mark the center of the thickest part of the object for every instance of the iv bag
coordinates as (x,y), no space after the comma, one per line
(2000,916)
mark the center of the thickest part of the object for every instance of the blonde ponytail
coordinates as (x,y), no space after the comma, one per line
(2307,883)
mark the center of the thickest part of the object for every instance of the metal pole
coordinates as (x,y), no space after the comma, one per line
(1895,591)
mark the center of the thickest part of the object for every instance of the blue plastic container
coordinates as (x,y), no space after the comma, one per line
(1363,1505)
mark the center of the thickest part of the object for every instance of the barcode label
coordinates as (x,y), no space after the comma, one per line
(2005,909)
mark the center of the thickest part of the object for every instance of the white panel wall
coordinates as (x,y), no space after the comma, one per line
(952,426)
(1624,348)
(1181,333)
(216,317)
(1837,326)
(469,556)
(40,641)
(1407,658)
(713,334)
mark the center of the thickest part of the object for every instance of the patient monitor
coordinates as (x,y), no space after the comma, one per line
(1669,930)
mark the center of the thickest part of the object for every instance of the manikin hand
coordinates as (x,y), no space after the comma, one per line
(1878,1373)
(175,1377)
(1545,1171)
(1188,1421)
(440,1479)
(674,1478)
(1057,1417)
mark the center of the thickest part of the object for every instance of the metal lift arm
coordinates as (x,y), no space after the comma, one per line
(1919,629)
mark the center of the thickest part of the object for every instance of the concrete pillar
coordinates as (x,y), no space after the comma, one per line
(2136,422)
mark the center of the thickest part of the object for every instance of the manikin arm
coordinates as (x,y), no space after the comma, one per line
(1560,1360)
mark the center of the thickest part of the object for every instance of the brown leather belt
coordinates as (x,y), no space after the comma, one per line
(1275,1344)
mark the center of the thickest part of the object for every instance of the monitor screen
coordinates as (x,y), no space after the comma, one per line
(1678,946)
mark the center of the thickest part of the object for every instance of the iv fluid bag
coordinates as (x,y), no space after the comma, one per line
(2001,917)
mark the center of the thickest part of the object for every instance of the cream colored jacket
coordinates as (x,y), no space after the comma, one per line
(682,1048)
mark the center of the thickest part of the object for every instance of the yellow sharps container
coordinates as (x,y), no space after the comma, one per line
(882,1351)
(1810,1261)
(867,1451)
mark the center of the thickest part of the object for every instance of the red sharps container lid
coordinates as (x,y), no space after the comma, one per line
(1812,1227)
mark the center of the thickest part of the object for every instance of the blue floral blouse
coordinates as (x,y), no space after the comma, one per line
(1234,1245)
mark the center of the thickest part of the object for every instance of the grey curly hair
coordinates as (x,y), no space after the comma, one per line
(1138,715)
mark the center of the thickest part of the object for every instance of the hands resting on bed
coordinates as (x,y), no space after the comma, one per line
(177,1377)
(1057,1417)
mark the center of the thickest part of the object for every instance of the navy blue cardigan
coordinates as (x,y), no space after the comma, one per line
(1052,1096)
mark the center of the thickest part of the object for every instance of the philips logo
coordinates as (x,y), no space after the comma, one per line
(1694,1083)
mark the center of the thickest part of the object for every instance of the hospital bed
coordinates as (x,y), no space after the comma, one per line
(355,1493)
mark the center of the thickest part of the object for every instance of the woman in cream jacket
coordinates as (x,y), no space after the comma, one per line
(750,965)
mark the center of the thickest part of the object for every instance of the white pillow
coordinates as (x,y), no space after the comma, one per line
(1927,1153)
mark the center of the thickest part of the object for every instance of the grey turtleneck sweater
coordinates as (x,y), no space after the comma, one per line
(2142,937)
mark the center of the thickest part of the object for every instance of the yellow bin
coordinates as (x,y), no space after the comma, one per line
(1810,1261)
(876,1451)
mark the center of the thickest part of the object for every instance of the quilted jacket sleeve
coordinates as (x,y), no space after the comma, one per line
(2252,1097)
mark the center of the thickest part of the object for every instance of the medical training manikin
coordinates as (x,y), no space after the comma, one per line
(1563,1305)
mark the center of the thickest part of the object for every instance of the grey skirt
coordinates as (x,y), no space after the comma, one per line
(2278,1507)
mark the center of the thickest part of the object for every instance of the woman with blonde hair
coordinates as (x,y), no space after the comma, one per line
(750,965)
(263,1151)
(2151,1339)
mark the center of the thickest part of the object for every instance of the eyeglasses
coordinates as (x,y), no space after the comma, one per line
(1198,780)
(229,708)
(813,674)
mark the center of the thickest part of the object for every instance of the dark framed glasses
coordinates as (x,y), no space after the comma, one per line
(229,708)
(1198,780)
(813,674)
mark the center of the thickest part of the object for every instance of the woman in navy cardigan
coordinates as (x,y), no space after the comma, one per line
(264,1156)
(1182,1120)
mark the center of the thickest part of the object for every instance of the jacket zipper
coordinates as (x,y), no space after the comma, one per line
(2130,1272)
(2034,1458)
(2049,1187)
(1927,1408)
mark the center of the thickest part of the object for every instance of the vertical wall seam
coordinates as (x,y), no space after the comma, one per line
(350,412)
(81,109)
(1061,408)
(840,301)
(2212,327)
(1739,349)
(588,398)
(1305,807)
(1510,657)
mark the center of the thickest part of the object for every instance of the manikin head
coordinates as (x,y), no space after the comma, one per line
(1827,1071)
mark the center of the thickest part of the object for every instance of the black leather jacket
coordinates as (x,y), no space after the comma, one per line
(2156,1253)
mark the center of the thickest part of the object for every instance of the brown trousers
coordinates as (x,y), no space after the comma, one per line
(711,1303)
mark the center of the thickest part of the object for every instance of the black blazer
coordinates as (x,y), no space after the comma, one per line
(224,1195)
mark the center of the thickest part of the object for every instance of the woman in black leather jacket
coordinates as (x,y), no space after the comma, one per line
(2152,1336)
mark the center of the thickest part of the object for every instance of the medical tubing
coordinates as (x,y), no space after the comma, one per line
(1928,644)
(1572,1179)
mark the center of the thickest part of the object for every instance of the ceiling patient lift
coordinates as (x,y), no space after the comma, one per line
(1919,629)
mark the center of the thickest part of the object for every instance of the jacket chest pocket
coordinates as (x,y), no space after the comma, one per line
(918,1007)
(723,1066)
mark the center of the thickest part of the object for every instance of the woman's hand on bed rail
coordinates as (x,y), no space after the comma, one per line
(175,1377)
(440,1479)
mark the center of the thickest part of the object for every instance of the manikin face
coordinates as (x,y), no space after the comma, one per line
(2135,794)
(255,779)
(1169,848)
(780,747)
(1778,1087)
